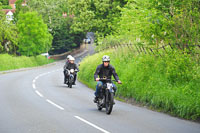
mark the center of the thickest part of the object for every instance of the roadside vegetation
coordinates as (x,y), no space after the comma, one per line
(9,62)
(169,83)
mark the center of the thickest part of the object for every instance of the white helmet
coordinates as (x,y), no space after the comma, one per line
(72,58)
(106,58)
(68,56)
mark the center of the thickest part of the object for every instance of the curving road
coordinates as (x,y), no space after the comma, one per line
(37,101)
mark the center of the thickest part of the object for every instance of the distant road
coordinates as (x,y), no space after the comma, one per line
(37,101)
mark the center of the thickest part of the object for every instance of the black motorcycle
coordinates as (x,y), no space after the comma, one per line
(70,77)
(106,97)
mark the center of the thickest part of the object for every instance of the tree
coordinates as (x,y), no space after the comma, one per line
(155,22)
(19,8)
(8,35)
(96,16)
(64,39)
(34,37)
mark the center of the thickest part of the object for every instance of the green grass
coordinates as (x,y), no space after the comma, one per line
(170,83)
(9,62)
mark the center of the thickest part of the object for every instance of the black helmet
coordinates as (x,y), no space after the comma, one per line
(105,58)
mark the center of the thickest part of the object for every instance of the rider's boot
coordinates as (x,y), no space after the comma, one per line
(74,80)
(64,81)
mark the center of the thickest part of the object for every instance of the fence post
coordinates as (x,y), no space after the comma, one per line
(152,51)
(170,46)
(148,50)
(140,49)
(164,48)
(144,50)
(137,49)
(158,52)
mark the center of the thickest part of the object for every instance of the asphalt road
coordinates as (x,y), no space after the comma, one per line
(37,101)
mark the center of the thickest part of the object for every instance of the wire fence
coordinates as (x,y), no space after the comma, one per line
(194,50)
(148,50)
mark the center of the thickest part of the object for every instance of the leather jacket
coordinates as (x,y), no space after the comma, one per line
(107,72)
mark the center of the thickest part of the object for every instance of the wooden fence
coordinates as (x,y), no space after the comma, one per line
(149,50)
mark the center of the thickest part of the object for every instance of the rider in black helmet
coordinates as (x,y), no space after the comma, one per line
(104,70)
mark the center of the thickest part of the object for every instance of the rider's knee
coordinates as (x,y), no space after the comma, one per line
(99,84)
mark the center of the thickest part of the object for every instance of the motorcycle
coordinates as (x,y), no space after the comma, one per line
(70,74)
(106,97)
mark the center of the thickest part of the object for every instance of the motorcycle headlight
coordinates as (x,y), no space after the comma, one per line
(71,70)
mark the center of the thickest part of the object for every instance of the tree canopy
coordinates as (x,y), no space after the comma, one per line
(34,37)
(8,35)
(141,22)
(155,22)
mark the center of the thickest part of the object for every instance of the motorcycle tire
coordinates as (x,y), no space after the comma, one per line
(70,85)
(109,102)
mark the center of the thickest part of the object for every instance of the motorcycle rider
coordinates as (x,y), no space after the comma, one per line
(69,56)
(67,62)
(71,65)
(104,70)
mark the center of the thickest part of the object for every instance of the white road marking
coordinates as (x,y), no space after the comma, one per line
(33,86)
(39,93)
(101,129)
(61,108)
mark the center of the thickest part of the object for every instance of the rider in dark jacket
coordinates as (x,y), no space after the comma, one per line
(64,70)
(104,70)
(71,65)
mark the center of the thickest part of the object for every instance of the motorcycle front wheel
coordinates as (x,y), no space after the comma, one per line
(109,102)
(69,85)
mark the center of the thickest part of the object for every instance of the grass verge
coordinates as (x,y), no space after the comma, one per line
(9,62)
(170,83)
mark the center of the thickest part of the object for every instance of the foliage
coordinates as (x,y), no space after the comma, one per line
(170,83)
(9,62)
(4,2)
(8,35)
(154,22)
(6,7)
(19,8)
(59,26)
(95,16)
(33,34)
(63,40)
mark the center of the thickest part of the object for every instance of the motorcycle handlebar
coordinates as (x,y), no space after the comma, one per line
(104,79)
